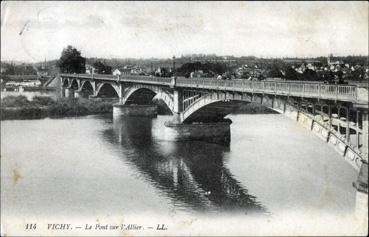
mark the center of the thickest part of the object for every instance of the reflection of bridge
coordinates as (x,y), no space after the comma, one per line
(189,175)
(336,113)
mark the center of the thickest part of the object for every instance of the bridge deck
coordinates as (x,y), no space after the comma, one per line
(298,89)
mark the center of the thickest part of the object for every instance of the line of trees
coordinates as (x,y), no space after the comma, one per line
(23,69)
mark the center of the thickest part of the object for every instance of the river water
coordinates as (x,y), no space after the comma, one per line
(102,167)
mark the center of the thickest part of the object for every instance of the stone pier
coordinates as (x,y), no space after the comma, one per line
(218,132)
(69,93)
(135,110)
(77,94)
(62,92)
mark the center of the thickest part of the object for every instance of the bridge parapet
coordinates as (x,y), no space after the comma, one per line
(362,94)
(351,93)
(312,90)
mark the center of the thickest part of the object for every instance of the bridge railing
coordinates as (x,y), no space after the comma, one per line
(148,79)
(316,90)
(128,78)
(311,89)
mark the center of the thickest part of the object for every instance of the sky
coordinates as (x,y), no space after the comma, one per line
(35,31)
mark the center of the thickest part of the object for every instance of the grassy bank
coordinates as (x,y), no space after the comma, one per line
(19,107)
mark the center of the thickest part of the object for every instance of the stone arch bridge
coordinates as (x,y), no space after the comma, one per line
(338,114)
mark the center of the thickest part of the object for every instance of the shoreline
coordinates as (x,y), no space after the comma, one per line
(20,108)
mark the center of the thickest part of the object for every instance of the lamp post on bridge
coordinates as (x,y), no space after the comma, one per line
(174,63)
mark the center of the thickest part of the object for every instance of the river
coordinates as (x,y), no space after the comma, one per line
(105,167)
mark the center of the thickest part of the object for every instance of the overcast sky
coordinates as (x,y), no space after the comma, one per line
(33,31)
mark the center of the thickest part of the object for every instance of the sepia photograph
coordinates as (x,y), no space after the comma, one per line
(184,118)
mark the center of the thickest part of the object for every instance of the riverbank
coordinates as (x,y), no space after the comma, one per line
(19,107)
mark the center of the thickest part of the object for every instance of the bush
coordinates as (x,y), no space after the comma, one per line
(43,101)
(15,101)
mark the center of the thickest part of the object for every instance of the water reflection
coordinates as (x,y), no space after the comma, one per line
(191,173)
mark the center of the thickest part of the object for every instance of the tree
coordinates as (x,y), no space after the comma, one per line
(310,75)
(274,72)
(358,74)
(208,67)
(23,69)
(101,68)
(290,74)
(71,61)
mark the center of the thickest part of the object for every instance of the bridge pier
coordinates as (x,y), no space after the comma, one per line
(177,106)
(62,92)
(120,109)
(78,94)
(219,132)
(69,93)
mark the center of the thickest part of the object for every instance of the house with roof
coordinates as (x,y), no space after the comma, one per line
(121,71)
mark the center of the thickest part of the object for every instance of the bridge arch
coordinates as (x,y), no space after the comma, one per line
(215,106)
(107,90)
(65,83)
(145,93)
(87,89)
(74,84)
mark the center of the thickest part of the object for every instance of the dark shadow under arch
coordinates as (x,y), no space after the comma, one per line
(65,83)
(74,84)
(141,96)
(145,96)
(107,91)
(216,111)
(87,89)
